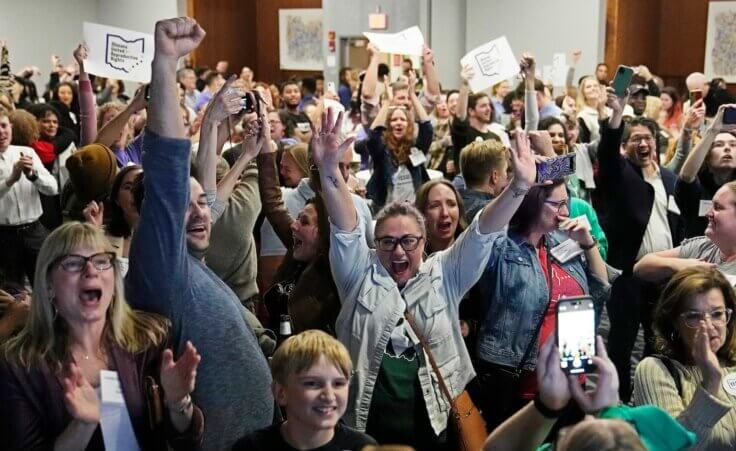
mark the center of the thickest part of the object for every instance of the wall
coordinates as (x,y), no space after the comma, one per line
(138,15)
(555,26)
(36,29)
(349,18)
(447,38)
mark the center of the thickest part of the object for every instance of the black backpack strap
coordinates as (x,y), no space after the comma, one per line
(672,370)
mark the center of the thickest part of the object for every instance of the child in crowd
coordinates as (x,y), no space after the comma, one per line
(311,375)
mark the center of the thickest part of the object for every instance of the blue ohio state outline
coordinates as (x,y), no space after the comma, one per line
(107,49)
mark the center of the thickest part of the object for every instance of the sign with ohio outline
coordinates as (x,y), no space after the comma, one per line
(118,53)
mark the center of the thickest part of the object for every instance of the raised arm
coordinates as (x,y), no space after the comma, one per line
(111,131)
(695,159)
(381,117)
(570,78)
(370,81)
(694,118)
(87,104)
(327,153)
(497,214)
(466,73)
(158,253)
(432,85)
(421,113)
(527,66)
(225,103)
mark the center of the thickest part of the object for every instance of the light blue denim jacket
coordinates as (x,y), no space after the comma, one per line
(515,295)
(372,305)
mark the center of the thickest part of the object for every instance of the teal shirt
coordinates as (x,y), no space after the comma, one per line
(579,207)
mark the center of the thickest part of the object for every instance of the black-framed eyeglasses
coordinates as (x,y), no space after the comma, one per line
(76,263)
(557,204)
(407,242)
(719,317)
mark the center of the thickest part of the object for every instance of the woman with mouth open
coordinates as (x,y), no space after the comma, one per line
(707,168)
(398,159)
(302,287)
(378,287)
(82,340)
(693,376)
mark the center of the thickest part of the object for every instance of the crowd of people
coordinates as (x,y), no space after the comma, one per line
(297,265)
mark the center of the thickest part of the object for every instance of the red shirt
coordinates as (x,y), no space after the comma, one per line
(563,285)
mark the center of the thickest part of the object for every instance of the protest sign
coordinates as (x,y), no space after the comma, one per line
(118,53)
(492,62)
(405,42)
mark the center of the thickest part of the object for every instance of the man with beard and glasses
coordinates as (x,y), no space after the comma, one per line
(641,216)
(167,274)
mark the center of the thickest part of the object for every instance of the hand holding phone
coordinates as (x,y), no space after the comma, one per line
(556,168)
(622,80)
(576,334)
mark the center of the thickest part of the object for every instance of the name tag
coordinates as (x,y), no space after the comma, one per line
(729,383)
(417,157)
(672,205)
(566,251)
(704,208)
(117,430)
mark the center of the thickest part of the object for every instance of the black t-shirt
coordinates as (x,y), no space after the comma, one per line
(270,439)
(463,134)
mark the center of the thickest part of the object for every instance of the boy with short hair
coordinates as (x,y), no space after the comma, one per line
(311,373)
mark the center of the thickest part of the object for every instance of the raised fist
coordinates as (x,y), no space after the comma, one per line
(177,37)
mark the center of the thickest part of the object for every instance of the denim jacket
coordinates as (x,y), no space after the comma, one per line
(384,167)
(372,305)
(515,295)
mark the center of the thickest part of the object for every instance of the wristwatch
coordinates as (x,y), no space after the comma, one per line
(590,246)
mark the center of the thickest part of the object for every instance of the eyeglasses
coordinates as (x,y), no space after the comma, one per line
(719,317)
(407,242)
(639,138)
(557,204)
(76,263)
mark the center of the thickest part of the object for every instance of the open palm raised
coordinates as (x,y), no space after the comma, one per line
(325,145)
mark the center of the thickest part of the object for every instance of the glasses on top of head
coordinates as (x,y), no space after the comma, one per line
(719,317)
(76,263)
(407,242)
(557,204)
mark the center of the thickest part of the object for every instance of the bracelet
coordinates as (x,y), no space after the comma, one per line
(590,246)
(546,411)
(180,407)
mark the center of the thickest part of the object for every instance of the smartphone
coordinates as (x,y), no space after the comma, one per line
(556,168)
(147,94)
(695,95)
(622,80)
(331,87)
(303,127)
(729,116)
(576,334)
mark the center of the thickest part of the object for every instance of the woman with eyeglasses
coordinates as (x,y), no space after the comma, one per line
(82,339)
(694,376)
(527,274)
(398,158)
(382,289)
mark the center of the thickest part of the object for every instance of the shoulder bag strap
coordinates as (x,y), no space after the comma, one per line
(672,370)
(432,362)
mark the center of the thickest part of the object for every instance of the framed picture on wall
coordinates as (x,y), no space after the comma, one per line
(720,42)
(300,39)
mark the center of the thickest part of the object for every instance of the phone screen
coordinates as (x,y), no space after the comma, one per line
(622,80)
(576,334)
(695,95)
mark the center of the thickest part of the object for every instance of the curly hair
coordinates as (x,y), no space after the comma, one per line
(400,147)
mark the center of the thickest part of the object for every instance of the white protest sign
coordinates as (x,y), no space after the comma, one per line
(492,62)
(405,42)
(557,75)
(118,53)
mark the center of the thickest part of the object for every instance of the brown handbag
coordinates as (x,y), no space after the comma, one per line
(470,427)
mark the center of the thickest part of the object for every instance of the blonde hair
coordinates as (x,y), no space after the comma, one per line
(300,352)
(479,158)
(580,101)
(44,338)
(602,435)
(653,108)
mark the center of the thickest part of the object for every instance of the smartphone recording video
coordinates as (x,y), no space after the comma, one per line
(576,334)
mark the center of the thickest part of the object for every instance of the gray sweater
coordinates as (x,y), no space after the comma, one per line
(712,418)
(233,380)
